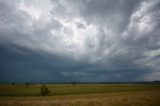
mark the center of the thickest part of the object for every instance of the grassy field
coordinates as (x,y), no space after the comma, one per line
(69,89)
(81,95)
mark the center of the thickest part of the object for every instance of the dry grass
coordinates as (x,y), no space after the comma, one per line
(132,98)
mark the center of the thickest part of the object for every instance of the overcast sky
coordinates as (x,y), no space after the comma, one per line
(79,40)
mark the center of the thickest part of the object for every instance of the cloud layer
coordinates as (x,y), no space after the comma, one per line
(85,40)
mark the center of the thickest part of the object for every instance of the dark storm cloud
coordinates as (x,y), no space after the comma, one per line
(87,40)
(33,67)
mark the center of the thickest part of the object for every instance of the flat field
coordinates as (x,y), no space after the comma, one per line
(81,95)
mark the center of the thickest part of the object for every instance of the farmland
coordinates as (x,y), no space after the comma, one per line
(81,95)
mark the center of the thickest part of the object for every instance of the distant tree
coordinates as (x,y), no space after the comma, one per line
(74,83)
(27,84)
(44,90)
(13,83)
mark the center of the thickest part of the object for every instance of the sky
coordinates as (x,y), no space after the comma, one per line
(79,40)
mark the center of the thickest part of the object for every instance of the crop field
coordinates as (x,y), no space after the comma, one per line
(81,95)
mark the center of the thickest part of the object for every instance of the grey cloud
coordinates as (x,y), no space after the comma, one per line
(88,40)
(115,14)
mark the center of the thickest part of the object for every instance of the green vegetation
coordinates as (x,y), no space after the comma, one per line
(44,90)
(69,89)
